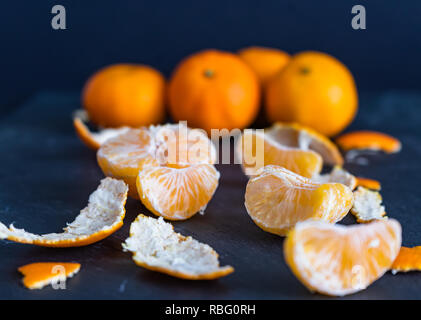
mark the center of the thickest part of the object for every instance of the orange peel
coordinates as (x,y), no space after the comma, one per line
(367,205)
(102,216)
(95,139)
(277,199)
(157,247)
(408,259)
(338,175)
(368,183)
(338,260)
(371,140)
(40,274)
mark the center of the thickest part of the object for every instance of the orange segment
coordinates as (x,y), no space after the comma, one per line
(408,259)
(124,156)
(40,274)
(94,139)
(305,138)
(277,199)
(157,247)
(177,192)
(256,150)
(369,140)
(369,183)
(339,260)
(102,217)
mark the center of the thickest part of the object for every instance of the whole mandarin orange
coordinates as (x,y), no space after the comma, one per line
(125,95)
(314,89)
(214,90)
(266,62)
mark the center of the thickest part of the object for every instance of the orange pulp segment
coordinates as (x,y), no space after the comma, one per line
(339,260)
(177,192)
(276,199)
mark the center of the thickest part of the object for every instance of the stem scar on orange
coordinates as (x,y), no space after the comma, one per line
(314,89)
(214,90)
(125,95)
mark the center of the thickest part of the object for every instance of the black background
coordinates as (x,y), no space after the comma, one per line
(160,33)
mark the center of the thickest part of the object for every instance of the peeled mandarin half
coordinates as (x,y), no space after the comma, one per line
(40,274)
(371,140)
(277,199)
(157,247)
(124,156)
(102,217)
(339,260)
(177,192)
(295,147)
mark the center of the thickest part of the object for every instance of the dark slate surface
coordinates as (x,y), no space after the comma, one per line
(47,175)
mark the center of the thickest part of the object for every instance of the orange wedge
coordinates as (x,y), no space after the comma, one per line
(40,274)
(368,183)
(339,260)
(408,259)
(124,156)
(94,139)
(295,147)
(157,247)
(276,199)
(370,140)
(102,217)
(178,192)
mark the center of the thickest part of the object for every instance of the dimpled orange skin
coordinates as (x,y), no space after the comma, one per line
(314,89)
(125,94)
(266,62)
(214,90)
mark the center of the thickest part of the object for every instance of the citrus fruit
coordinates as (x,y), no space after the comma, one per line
(94,139)
(103,216)
(367,205)
(276,199)
(338,175)
(124,156)
(157,247)
(125,95)
(177,192)
(371,140)
(339,260)
(265,62)
(40,274)
(368,183)
(408,259)
(214,90)
(290,145)
(314,89)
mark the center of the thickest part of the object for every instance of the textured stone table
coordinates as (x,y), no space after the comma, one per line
(47,175)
